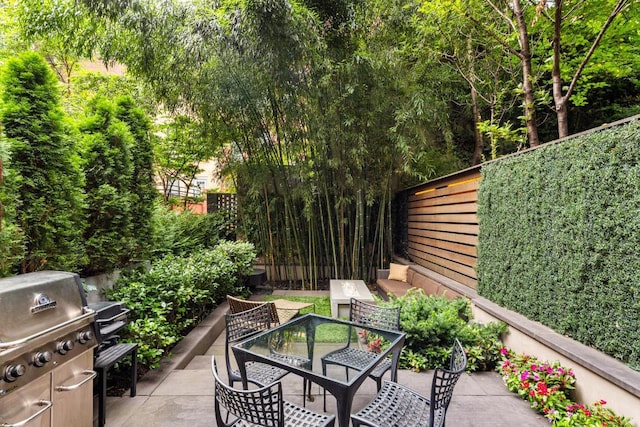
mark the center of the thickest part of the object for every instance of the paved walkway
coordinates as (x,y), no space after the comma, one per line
(183,396)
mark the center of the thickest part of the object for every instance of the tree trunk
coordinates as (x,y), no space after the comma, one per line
(479,143)
(559,100)
(527,85)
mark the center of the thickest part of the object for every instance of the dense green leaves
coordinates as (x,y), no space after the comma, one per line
(42,173)
(176,292)
(108,168)
(432,324)
(184,233)
(559,234)
(142,184)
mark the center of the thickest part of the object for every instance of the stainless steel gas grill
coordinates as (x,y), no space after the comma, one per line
(47,337)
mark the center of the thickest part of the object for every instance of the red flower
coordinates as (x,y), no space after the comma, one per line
(542,388)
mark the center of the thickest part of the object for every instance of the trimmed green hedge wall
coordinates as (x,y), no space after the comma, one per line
(560,238)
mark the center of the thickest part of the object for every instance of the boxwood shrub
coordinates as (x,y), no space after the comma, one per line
(560,236)
(176,292)
(432,323)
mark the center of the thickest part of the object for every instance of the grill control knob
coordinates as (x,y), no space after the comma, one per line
(42,357)
(12,372)
(65,346)
(85,336)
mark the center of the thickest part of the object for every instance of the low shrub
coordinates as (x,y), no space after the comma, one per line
(176,292)
(183,233)
(547,387)
(432,323)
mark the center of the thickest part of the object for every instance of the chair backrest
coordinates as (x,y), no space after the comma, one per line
(238,305)
(444,380)
(366,314)
(245,324)
(261,406)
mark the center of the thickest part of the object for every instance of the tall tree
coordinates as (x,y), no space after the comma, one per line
(44,162)
(598,26)
(108,170)
(11,238)
(143,189)
(178,152)
(61,32)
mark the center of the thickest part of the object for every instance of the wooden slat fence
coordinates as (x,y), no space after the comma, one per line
(442,225)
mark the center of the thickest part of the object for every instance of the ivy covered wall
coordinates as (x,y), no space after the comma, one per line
(559,238)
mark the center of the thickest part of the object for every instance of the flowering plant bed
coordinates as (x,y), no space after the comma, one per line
(547,387)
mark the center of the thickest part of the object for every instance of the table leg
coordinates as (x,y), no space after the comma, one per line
(241,361)
(344,410)
(394,363)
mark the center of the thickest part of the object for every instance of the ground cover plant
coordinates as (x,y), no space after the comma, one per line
(547,387)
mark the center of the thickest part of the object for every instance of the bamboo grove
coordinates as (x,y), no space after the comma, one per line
(320,111)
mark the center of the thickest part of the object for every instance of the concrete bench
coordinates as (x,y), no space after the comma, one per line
(341,292)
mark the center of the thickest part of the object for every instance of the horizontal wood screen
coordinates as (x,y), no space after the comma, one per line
(442,226)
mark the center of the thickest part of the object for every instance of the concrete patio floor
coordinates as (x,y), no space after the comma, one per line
(183,396)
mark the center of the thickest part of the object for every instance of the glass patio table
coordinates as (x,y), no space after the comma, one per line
(298,345)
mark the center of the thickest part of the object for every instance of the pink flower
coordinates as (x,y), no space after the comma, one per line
(524,375)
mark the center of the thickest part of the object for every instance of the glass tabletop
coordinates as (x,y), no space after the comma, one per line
(300,344)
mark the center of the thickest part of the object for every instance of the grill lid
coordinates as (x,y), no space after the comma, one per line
(33,302)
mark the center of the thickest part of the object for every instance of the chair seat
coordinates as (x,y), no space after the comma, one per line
(351,357)
(287,310)
(395,405)
(297,416)
(382,367)
(292,360)
(261,373)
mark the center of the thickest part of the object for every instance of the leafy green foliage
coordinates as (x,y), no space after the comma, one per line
(167,300)
(11,239)
(559,234)
(143,191)
(108,173)
(433,323)
(42,171)
(182,233)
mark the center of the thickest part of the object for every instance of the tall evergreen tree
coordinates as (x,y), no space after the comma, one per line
(45,177)
(108,170)
(143,190)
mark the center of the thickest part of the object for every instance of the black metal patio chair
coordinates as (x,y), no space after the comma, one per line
(264,406)
(243,325)
(399,406)
(365,314)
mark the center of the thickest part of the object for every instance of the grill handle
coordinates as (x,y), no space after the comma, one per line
(90,375)
(111,319)
(16,343)
(46,404)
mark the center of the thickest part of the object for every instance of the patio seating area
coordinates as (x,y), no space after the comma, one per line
(181,392)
